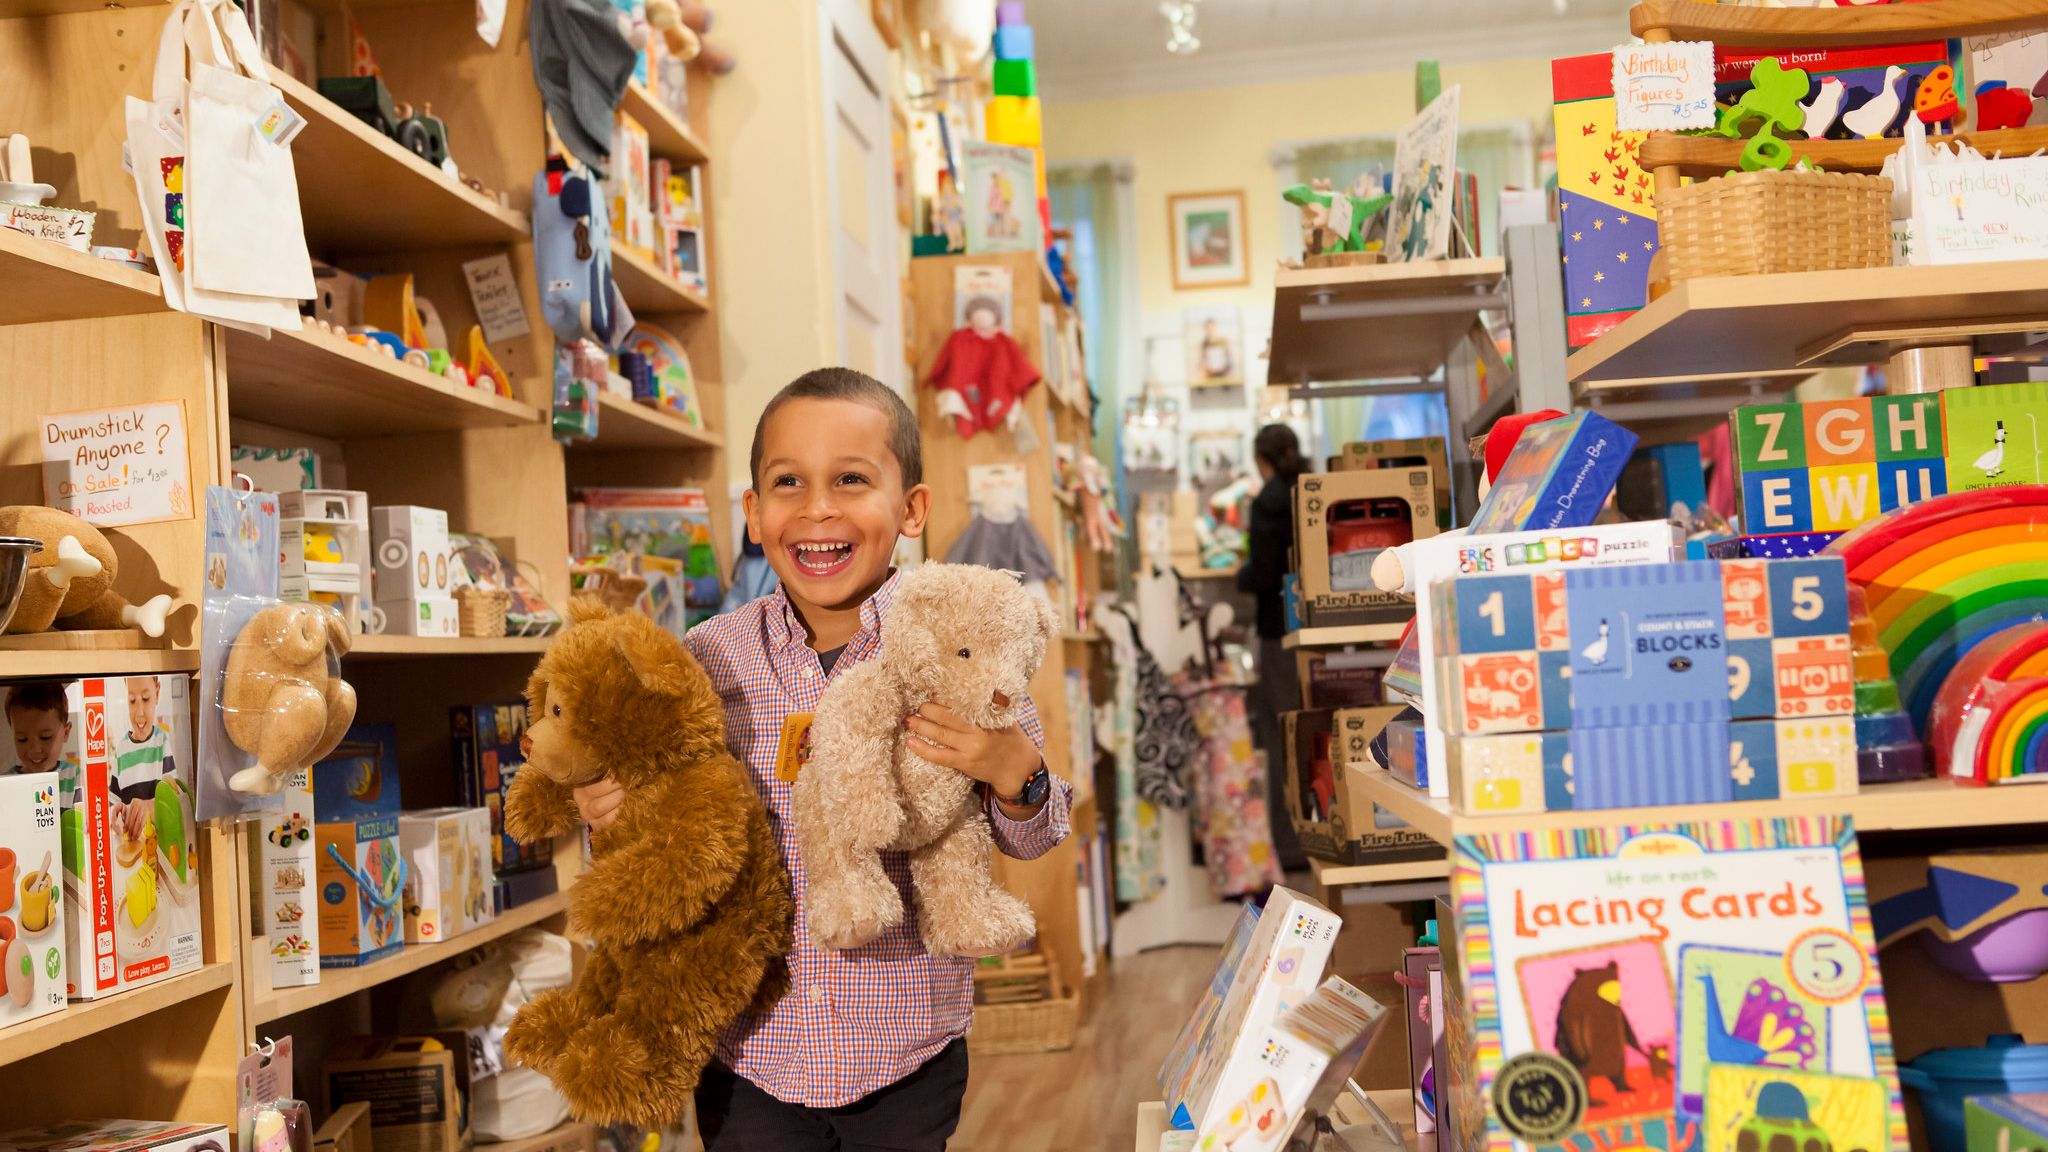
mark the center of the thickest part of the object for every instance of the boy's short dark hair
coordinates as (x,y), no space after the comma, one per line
(905,441)
(38,696)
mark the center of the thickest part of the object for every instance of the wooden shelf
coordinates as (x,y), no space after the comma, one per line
(360,192)
(1733,326)
(625,425)
(312,382)
(1377,321)
(429,647)
(1914,805)
(13,8)
(1704,156)
(83,1018)
(1345,875)
(1733,27)
(648,290)
(47,281)
(21,658)
(668,136)
(1091,636)
(267,1004)
(1338,637)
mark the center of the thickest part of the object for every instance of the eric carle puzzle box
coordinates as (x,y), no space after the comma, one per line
(1703,987)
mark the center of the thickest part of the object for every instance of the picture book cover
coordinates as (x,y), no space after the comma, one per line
(998,183)
(1675,986)
(1604,201)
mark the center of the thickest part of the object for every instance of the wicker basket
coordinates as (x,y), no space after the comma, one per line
(480,612)
(1753,223)
(1038,1026)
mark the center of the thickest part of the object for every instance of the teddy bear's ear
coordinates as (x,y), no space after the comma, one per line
(1048,620)
(654,659)
(584,609)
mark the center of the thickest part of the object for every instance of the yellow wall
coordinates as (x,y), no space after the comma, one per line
(772,265)
(1221,139)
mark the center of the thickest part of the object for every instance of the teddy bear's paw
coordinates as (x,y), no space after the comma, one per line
(540,1030)
(610,1073)
(852,910)
(1000,923)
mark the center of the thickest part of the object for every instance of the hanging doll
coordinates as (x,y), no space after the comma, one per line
(999,536)
(981,373)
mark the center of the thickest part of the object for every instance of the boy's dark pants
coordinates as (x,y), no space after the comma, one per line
(916,1114)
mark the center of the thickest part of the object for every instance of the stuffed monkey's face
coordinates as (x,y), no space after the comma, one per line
(550,741)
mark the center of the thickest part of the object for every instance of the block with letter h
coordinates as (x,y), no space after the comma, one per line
(1830,465)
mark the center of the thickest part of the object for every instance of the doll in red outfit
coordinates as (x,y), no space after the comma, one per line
(981,372)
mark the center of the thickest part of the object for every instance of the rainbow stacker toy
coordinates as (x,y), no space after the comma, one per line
(1943,575)
(1989,724)
(1013,117)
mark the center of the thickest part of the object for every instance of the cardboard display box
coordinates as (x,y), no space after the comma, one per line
(1415,452)
(32,913)
(448,881)
(355,812)
(566,1138)
(412,554)
(1336,679)
(417,1088)
(1342,520)
(116,743)
(348,1130)
(285,864)
(1830,465)
(1325,794)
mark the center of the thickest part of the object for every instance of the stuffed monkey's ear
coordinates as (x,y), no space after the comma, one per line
(651,655)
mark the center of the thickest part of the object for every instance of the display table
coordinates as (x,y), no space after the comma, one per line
(1352,1123)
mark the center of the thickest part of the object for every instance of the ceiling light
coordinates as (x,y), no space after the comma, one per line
(1180,25)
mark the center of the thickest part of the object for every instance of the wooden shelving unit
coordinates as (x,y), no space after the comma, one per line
(1344,875)
(1704,156)
(1911,806)
(668,136)
(47,281)
(648,289)
(368,648)
(1333,324)
(1339,637)
(312,381)
(267,1004)
(21,662)
(84,1018)
(1885,24)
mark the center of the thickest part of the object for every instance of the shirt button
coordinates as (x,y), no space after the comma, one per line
(817,992)
(809,672)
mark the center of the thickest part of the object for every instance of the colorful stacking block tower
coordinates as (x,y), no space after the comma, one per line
(1013,116)
(1831,465)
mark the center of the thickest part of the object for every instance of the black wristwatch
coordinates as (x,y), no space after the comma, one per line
(1037,787)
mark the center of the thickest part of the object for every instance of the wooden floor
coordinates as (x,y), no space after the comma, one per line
(1086,1099)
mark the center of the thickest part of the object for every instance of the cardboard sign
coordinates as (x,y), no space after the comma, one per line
(115,466)
(496,296)
(1664,86)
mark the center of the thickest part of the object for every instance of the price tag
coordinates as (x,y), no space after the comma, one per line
(496,296)
(1664,86)
(1340,215)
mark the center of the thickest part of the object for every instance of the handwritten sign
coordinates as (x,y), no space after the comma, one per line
(114,466)
(1664,86)
(1979,210)
(66,226)
(496,296)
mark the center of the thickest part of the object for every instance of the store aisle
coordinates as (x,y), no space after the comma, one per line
(1087,1098)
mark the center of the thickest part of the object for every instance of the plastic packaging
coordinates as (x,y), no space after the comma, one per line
(1887,747)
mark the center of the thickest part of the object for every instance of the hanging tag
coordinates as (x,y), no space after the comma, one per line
(279,123)
(1340,215)
(794,750)
(263,1076)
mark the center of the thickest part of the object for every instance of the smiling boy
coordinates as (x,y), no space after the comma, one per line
(866,1050)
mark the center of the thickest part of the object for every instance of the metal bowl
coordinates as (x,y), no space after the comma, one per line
(14,556)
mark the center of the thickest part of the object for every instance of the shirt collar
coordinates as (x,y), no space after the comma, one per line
(785,631)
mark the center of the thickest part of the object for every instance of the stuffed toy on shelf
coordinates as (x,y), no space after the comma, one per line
(965,637)
(71,581)
(282,698)
(685,901)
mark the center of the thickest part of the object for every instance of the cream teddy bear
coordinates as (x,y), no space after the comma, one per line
(962,636)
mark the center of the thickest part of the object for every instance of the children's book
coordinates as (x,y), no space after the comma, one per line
(998,182)
(1699,986)
(1605,208)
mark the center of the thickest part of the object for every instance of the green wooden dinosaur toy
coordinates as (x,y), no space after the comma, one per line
(1314,202)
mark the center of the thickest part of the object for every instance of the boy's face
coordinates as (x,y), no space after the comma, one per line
(141,706)
(39,737)
(829,502)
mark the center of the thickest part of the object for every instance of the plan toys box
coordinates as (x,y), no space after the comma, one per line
(486,739)
(1413,452)
(448,880)
(1273,960)
(412,554)
(1342,521)
(121,749)
(1328,754)
(1830,465)
(1995,435)
(117,1136)
(358,868)
(32,969)
(1301,1062)
(1559,475)
(1451,557)
(285,865)
(1715,977)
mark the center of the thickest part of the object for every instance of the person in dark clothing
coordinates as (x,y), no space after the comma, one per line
(1278,453)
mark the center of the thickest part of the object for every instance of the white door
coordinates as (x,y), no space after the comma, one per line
(867,295)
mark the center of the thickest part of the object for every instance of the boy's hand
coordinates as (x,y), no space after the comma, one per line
(599,803)
(135,816)
(1003,759)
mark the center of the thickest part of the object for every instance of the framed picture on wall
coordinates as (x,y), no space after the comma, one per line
(1214,341)
(1207,230)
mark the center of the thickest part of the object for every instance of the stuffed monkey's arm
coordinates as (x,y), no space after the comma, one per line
(676,850)
(538,809)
